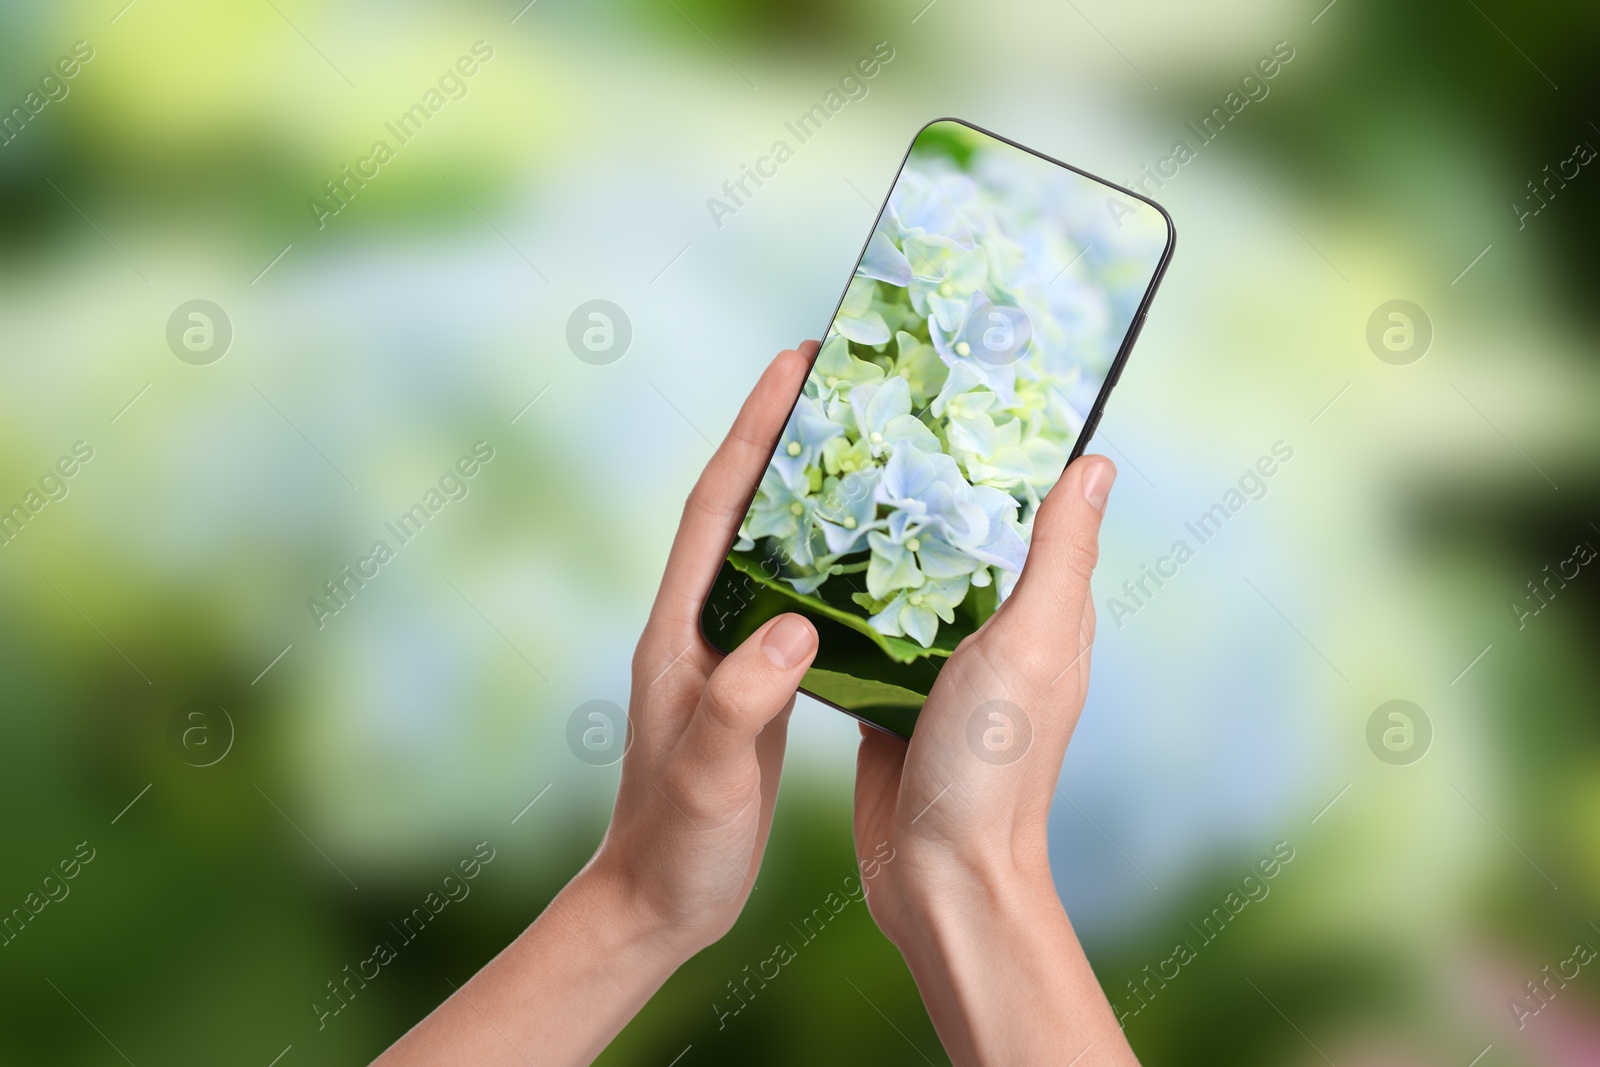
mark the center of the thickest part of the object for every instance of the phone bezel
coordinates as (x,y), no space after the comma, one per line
(1091,421)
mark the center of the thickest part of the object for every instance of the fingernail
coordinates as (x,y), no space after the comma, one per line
(788,641)
(1097,483)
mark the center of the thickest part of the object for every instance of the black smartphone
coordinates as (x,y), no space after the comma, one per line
(968,362)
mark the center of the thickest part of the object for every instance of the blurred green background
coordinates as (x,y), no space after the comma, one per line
(347,766)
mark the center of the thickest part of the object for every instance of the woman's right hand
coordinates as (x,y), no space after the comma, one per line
(953,824)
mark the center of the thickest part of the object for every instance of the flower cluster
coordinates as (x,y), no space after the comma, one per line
(941,407)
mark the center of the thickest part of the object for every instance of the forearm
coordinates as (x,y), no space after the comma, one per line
(1006,982)
(557,994)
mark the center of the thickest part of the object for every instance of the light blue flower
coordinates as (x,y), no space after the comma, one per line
(836,370)
(923,205)
(859,318)
(883,261)
(916,613)
(1006,465)
(1002,544)
(800,447)
(965,404)
(919,455)
(919,364)
(894,562)
(849,510)
(928,488)
(966,344)
(842,455)
(934,498)
(939,540)
(1047,455)
(945,275)
(1005,583)
(883,418)
(783,512)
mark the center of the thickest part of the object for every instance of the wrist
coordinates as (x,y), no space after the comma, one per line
(635,925)
(949,919)
(981,952)
(567,985)
(950,894)
(1004,978)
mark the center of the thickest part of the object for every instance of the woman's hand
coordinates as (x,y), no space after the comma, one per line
(707,733)
(706,741)
(968,896)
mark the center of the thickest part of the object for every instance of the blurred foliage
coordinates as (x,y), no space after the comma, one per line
(380,749)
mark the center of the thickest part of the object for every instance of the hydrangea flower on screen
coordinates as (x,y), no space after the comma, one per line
(784,513)
(804,436)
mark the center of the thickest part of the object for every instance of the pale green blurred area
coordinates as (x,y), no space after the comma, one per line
(424,317)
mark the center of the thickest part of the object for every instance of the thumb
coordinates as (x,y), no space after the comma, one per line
(879,763)
(749,688)
(1050,596)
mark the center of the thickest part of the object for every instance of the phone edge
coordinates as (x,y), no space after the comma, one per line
(1091,420)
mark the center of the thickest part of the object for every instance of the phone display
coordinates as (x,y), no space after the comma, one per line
(967,363)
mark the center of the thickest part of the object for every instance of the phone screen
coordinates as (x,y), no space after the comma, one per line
(966,365)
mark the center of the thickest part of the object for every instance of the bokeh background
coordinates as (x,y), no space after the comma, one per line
(348,765)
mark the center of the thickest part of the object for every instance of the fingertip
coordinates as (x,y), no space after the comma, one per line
(803,354)
(787,368)
(1089,458)
(790,356)
(1088,479)
(1096,480)
(789,642)
(1065,545)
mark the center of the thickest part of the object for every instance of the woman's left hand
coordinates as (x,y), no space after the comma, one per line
(707,732)
(699,780)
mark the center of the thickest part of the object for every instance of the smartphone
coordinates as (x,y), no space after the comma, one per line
(968,362)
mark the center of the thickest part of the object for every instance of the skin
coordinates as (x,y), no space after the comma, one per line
(967,894)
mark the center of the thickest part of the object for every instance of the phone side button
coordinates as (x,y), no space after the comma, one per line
(1133,338)
(1090,427)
